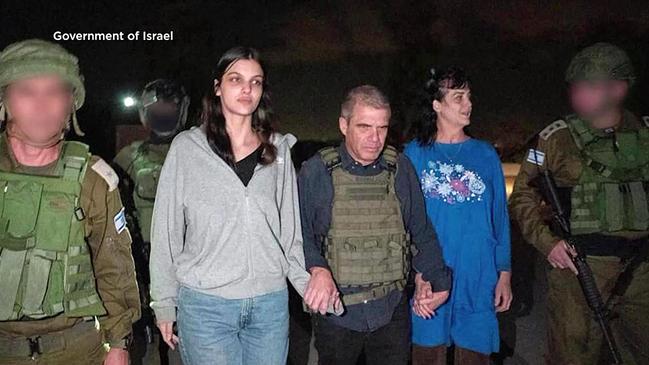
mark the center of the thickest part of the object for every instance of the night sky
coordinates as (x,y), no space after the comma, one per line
(515,51)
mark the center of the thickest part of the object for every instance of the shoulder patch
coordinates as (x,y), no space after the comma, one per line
(535,157)
(553,127)
(120,221)
(107,173)
(645,119)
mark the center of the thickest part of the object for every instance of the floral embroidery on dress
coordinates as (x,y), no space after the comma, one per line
(451,183)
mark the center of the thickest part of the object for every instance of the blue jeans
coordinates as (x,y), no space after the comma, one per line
(215,330)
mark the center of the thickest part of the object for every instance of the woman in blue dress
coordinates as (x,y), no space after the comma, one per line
(463,184)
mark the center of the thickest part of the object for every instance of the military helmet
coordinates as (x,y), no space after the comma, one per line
(165,91)
(601,61)
(35,57)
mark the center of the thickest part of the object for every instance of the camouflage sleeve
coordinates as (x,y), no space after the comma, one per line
(122,164)
(126,187)
(110,242)
(526,200)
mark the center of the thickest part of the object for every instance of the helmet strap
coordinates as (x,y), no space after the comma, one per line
(75,124)
(3,113)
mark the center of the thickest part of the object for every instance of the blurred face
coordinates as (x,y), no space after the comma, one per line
(164,108)
(365,132)
(162,117)
(39,107)
(241,88)
(455,108)
(591,99)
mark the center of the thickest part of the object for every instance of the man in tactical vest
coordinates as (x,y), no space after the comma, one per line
(599,158)
(361,204)
(163,113)
(67,279)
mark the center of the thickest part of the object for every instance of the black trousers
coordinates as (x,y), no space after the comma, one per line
(300,327)
(389,345)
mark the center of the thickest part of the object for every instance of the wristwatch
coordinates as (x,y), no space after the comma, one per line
(124,343)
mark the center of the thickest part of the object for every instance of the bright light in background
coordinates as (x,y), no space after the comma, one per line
(510,170)
(129,101)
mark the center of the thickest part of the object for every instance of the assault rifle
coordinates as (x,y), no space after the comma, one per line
(585,274)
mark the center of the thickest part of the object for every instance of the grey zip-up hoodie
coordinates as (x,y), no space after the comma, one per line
(213,234)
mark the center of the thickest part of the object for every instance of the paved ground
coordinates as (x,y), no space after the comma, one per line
(530,342)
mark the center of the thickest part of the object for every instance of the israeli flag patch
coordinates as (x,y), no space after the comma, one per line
(120,221)
(536,157)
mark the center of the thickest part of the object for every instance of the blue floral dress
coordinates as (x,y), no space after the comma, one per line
(464,189)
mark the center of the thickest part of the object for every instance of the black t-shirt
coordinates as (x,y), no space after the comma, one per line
(246,166)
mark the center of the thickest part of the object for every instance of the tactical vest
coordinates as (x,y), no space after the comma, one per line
(366,246)
(612,191)
(45,262)
(145,171)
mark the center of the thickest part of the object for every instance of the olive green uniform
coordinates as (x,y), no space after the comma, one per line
(63,338)
(141,162)
(139,165)
(573,336)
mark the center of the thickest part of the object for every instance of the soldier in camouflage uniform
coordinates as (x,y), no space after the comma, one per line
(599,157)
(67,278)
(163,112)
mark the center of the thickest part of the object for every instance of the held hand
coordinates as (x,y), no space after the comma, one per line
(423,292)
(167,331)
(321,292)
(426,301)
(116,356)
(503,298)
(561,257)
(337,303)
(432,303)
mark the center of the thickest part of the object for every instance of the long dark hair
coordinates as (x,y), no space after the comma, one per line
(212,113)
(424,129)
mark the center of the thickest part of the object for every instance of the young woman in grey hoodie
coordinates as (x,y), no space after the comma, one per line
(226,227)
